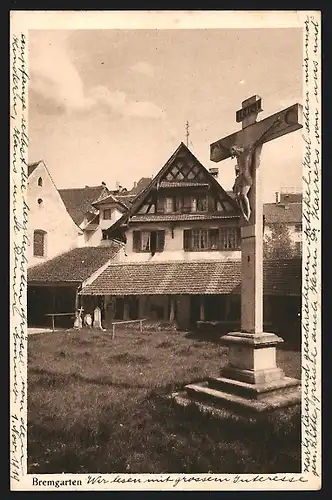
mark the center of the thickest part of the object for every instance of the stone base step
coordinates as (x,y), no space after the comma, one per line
(203,393)
(256,391)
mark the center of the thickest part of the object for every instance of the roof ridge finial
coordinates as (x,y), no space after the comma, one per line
(187,133)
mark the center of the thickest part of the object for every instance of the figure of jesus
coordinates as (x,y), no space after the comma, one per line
(244,177)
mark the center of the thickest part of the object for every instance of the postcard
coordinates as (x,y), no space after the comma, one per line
(165,232)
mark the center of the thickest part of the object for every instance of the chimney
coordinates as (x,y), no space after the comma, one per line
(277,198)
(135,184)
(103,183)
(117,185)
(214,171)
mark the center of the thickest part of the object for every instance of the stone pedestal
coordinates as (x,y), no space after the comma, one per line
(250,381)
(252,357)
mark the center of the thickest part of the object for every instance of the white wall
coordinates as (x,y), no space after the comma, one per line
(173,249)
(95,238)
(51,216)
(106,223)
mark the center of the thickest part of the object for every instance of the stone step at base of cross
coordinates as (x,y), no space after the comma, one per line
(211,400)
(253,391)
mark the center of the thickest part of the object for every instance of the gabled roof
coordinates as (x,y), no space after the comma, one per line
(110,198)
(282,277)
(279,213)
(155,183)
(73,266)
(78,201)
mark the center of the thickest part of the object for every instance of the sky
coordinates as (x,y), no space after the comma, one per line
(111,105)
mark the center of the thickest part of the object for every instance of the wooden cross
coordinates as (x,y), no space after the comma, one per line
(248,144)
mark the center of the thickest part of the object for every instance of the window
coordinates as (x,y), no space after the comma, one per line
(216,205)
(298,247)
(229,238)
(160,204)
(107,214)
(40,202)
(226,238)
(169,204)
(298,228)
(199,239)
(39,243)
(201,203)
(148,241)
(145,241)
(214,239)
(40,182)
(184,204)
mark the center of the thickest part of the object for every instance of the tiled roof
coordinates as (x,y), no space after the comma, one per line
(126,199)
(180,217)
(140,186)
(78,200)
(73,266)
(182,184)
(283,214)
(107,198)
(204,277)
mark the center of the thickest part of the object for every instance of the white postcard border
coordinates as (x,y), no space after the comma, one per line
(310,21)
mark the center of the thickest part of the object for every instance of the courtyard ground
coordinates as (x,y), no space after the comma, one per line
(99,405)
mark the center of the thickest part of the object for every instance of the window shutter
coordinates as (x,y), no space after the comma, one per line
(136,241)
(160,241)
(186,239)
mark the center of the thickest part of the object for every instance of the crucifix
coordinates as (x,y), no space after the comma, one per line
(78,319)
(246,146)
(251,355)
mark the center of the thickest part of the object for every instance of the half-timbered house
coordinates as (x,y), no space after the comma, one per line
(181,259)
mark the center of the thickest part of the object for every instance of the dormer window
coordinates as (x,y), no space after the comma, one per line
(108,214)
(40,182)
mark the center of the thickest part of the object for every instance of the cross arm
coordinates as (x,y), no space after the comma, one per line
(277,125)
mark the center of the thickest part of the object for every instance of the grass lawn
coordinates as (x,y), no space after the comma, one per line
(98,405)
